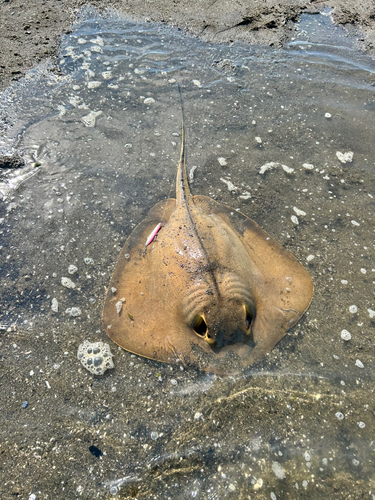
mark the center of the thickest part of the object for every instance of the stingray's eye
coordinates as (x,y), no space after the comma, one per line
(249,317)
(200,326)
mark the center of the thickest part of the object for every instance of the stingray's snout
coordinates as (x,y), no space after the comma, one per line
(225,327)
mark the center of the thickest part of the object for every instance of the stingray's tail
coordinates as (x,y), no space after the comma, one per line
(182,184)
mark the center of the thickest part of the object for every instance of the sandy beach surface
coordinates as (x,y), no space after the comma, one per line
(31,30)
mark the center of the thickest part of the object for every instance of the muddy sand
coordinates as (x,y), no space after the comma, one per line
(31,30)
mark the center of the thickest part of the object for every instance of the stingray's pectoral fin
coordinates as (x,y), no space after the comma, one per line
(269,327)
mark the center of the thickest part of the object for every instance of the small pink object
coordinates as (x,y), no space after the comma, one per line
(153,234)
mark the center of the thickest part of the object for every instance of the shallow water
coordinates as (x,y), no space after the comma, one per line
(99,154)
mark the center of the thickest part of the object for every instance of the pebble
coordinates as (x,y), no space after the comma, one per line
(222,161)
(173,381)
(345,157)
(98,40)
(299,212)
(90,119)
(191,173)
(245,195)
(257,486)
(93,85)
(288,170)
(308,166)
(32,496)
(73,311)
(67,282)
(268,166)
(294,219)
(197,83)
(88,261)
(310,257)
(172,80)
(97,48)
(345,335)
(230,184)
(359,363)
(328,115)
(149,100)
(55,305)
(353,309)
(25,404)
(231,487)
(258,140)
(72,269)
(197,416)
(273,496)
(62,109)
(355,223)
(278,470)
(371,313)
(363,270)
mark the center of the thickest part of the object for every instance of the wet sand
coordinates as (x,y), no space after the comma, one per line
(31,30)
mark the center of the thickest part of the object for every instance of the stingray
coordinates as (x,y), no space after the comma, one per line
(201,284)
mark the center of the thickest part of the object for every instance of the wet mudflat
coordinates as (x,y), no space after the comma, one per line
(284,136)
